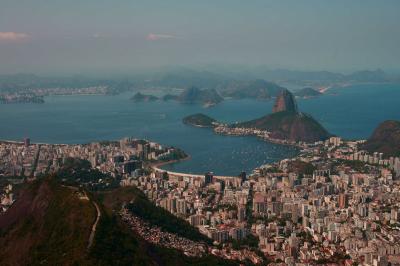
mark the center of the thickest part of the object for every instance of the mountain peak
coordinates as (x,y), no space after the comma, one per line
(285,102)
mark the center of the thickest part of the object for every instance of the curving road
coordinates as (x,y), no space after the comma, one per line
(94,227)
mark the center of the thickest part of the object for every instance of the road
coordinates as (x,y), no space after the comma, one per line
(156,169)
(94,227)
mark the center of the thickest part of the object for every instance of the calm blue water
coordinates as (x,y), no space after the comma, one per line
(351,113)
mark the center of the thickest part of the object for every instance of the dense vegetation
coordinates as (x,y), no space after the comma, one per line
(300,167)
(48,225)
(115,244)
(77,171)
(385,139)
(199,120)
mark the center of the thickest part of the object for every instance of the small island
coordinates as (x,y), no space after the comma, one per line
(21,98)
(200,120)
(140,97)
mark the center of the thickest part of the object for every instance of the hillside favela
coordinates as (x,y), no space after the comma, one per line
(200,133)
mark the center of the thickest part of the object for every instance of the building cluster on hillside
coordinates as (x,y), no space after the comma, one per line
(321,206)
(265,135)
(6,197)
(155,235)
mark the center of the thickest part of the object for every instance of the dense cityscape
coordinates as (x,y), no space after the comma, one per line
(331,203)
(201,133)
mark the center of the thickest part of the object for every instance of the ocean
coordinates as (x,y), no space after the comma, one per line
(352,112)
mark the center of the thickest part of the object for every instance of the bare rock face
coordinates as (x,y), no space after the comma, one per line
(287,123)
(285,102)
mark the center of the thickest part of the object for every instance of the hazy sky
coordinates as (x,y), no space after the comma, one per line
(75,36)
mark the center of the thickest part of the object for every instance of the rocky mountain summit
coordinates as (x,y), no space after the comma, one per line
(285,103)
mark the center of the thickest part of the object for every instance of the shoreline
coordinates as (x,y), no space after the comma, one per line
(160,164)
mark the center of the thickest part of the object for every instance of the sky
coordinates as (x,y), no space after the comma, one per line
(78,36)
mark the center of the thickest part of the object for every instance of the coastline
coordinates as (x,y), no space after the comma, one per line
(159,164)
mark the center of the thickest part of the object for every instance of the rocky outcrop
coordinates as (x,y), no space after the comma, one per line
(289,126)
(285,103)
(287,123)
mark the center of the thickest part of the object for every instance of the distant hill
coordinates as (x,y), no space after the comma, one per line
(368,76)
(183,78)
(385,139)
(256,89)
(199,120)
(196,95)
(307,92)
(287,123)
(139,97)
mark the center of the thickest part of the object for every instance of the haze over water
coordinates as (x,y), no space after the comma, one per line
(350,113)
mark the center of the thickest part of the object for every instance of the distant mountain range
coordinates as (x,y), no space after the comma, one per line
(192,95)
(243,77)
(256,89)
(226,80)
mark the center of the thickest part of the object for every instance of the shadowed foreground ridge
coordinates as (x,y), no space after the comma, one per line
(50,224)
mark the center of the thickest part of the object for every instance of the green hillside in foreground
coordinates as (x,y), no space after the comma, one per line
(50,225)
